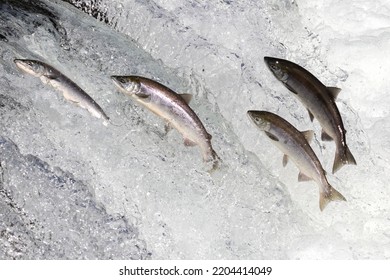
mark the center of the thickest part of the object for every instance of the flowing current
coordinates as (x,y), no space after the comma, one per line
(72,188)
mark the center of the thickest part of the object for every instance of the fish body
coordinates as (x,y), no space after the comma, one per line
(319,101)
(70,90)
(294,144)
(171,107)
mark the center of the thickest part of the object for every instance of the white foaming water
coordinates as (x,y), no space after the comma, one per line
(167,204)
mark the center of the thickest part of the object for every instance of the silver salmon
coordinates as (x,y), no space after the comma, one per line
(319,100)
(295,145)
(171,107)
(70,90)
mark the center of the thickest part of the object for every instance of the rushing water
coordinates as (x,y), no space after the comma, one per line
(73,188)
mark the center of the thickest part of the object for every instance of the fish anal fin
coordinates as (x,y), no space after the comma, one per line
(271,136)
(330,195)
(189,143)
(308,134)
(310,116)
(303,177)
(186,97)
(325,136)
(334,91)
(285,160)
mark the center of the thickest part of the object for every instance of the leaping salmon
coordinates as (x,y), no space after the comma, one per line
(319,101)
(295,145)
(171,107)
(70,90)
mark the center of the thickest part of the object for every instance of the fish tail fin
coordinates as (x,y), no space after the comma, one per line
(331,195)
(215,159)
(342,158)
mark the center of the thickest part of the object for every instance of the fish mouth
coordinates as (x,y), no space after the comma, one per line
(20,63)
(26,66)
(127,84)
(114,78)
(268,59)
(272,64)
(277,68)
(117,82)
(258,118)
(252,114)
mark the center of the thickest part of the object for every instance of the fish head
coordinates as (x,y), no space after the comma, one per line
(278,68)
(32,67)
(260,118)
(128,84)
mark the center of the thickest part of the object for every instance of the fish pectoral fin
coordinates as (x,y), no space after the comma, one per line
(303,177)
(271,136)
(285,160)
(290,88)
(187,97)
(308,134)
(74,102)
(325,136)
(310,115)
(143,96)
(334,92)
(50,76)
(45,80)
(189,143)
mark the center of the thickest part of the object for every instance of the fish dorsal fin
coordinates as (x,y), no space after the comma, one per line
(334,91)
(308,134)
(189,143)
(187,97)
(311,116)
(271,136)
(285,160)
(303,177)
(325,136)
